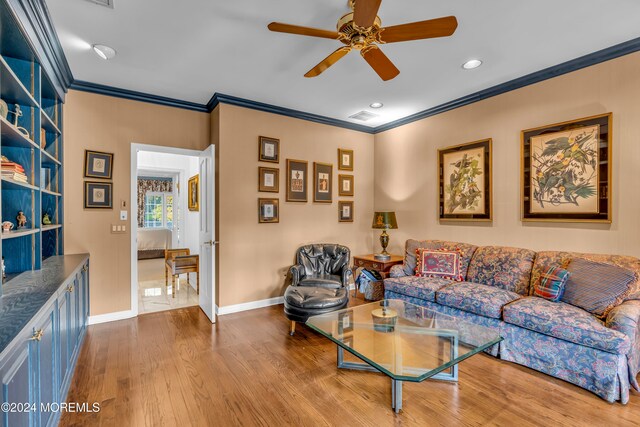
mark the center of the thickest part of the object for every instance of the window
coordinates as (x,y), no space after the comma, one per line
(158,210)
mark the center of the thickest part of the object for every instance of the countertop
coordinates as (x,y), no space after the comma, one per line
(24,295)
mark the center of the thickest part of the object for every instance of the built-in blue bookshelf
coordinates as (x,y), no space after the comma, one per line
(35,143)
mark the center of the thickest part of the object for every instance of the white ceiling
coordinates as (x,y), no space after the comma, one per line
(189,49)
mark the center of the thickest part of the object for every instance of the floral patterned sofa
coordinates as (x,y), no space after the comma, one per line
(551,337)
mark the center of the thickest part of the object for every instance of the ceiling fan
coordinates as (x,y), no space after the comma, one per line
(362,30)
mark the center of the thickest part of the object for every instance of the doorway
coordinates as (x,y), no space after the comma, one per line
(164,215)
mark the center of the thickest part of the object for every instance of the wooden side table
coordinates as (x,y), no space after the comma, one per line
(370,263)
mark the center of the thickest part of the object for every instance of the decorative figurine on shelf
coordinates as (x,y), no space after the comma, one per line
(18,113)
(7,226)
(22,219)
(46,220)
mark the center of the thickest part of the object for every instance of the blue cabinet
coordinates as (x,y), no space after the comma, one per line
(16,371)
(37,366)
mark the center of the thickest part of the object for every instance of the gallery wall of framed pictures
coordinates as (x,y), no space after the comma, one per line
(98,194)
(298,181)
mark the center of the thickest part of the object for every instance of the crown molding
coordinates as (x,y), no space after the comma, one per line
(594,58)
(137,96)
(219,98)
(35,21)
(598,57)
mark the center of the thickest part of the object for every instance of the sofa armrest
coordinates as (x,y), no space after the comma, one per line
(397,271)
(625,318)
(297,272)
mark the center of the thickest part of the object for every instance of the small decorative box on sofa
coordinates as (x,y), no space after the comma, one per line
(598,350)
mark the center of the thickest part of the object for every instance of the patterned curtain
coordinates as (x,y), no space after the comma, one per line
(153,184)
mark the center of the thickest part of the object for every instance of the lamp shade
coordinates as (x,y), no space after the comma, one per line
(384,220)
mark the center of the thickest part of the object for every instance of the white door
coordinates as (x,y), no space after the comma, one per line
(207,233)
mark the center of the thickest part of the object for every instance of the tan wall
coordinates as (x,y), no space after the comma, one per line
(110,124)
(254,257)
(406,176)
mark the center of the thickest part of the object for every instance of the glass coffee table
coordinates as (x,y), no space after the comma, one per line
(404,341)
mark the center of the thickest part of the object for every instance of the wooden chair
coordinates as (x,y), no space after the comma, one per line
(180,261)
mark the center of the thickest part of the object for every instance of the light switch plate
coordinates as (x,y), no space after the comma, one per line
(123,215)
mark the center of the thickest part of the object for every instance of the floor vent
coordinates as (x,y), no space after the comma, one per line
(105,3)
(363,116)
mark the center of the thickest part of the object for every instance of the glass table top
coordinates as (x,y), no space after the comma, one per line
(405,341)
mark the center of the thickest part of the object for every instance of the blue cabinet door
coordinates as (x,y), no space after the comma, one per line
(16,372)
(64,310)
(74,317)
(46,378)
(82,290)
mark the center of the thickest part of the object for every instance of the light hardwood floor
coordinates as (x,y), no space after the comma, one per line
(174,368)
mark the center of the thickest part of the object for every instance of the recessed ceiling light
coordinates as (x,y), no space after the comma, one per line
(471,64)
(104,52)
(376,105)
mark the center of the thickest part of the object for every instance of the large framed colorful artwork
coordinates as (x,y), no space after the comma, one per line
(566,171)
(465,182)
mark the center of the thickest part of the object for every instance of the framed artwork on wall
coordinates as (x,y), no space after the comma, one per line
(465,182)
(98,164)
(566,171)
(345,160)
(193,194)
(268,210)
(297,180)
(345,185)
(345,211)
(269,180)
(98,195)
(269,149)
(322,182)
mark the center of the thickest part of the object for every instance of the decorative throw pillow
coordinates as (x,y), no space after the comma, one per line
(439,263)
(551,283)
(596,287)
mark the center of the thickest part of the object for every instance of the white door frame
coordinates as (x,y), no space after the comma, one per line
(133,203)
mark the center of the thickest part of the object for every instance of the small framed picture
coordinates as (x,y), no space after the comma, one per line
(98,195)
(194,193)
(268,210)
(322,182)
(269,149)
(98,164)
(345,160)
(345,322)
(345,185)
(345,211)
(269,180)
(297,180)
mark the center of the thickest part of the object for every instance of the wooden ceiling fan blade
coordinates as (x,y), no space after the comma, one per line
(365,12)
(440,27)
(303,31)
(379,62)
(328,62)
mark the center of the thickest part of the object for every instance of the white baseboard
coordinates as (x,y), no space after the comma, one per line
(235,308)
(111,317)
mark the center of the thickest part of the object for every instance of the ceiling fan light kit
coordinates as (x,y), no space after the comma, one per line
(362,30)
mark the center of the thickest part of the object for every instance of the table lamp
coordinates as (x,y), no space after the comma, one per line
(384,221)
